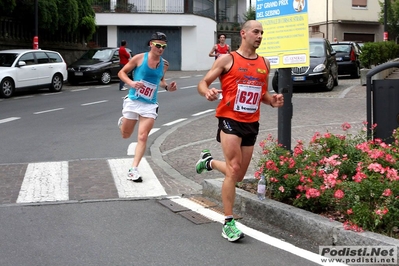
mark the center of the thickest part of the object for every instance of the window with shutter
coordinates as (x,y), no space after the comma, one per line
(359,3)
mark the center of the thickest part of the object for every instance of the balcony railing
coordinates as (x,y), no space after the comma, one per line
(197,7)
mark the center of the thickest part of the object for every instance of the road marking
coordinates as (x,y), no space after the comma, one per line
(85,104)
(83,89)
(346,91)
(204,112)
(150,187)
(46,181)
(52,93)
(47,111)
(5,120)
(23,97)
(152,131)
(275,242)
(100,87)
(175,122)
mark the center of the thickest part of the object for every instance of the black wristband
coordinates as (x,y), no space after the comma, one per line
(166,87)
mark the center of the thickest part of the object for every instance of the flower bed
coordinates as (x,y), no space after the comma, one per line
(345,177)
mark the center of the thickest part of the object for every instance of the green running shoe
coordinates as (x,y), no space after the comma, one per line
(201,165)
(231,232)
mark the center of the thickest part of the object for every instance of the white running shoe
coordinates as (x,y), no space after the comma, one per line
(134,175)
(120,120)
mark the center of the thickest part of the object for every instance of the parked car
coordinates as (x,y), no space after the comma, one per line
(23,69)
(322,70)
(98,64)
(348,58)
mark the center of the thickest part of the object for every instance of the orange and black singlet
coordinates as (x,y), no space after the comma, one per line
(243,87)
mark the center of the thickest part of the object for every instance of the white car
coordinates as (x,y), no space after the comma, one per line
(23,69)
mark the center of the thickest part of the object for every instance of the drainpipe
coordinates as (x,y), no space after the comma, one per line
(327,19)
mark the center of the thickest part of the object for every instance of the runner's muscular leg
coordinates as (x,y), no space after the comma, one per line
(145,126)
(127,127)
(233,167)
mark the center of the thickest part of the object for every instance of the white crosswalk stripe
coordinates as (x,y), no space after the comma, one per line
(150,187)
(49,181)
(45,182)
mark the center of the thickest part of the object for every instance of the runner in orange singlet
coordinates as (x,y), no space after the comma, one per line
(244,79)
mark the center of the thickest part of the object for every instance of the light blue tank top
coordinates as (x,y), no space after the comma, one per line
(151,78)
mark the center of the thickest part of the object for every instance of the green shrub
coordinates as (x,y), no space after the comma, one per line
(346,175)
(375,53)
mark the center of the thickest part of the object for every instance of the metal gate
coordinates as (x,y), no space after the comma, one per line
(137,40)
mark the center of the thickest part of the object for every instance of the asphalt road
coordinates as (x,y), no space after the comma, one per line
(79,125)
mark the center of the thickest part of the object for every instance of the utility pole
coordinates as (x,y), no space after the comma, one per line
(36,37)
(385,21)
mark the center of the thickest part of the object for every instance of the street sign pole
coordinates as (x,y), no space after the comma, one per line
(286,111)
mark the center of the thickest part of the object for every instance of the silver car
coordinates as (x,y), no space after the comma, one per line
(23,69)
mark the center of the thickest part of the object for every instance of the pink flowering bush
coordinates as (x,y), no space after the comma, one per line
(346,175)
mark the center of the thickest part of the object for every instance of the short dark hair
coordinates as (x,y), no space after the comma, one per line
(123,43)
(220,35)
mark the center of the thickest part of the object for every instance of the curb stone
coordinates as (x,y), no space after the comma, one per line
(323,231)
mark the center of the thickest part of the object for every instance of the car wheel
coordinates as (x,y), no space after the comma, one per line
(330,82)
(56,83)
(356,73)
(7,88)
(105,78)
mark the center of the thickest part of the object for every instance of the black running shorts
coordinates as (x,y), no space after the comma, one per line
(248,132)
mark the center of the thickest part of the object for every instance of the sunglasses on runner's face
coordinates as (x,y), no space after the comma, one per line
(158,45)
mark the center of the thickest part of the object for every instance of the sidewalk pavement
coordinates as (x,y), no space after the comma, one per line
(177,151)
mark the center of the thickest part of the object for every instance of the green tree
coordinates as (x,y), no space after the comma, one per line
(7,7)
(392,17)
(250,14)
(56,16)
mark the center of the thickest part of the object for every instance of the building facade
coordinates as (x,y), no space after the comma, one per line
(190,25)
(345,20)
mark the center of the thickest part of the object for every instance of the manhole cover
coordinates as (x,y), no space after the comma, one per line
(195,217)
(173,206)
(203,201)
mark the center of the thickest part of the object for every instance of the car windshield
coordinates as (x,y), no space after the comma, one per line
(102,54)
(316,49)
(341,48)
(7,59)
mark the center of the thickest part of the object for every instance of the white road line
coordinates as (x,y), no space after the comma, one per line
(83,89)
(152,131)
(100,87)
(52,93)
(188,87)
(204,112)
(23,97)
(85,104)
(47,111)
(175,122)
(343,94)
(46,181)
(185,77)
(316,258)
(150,187)
(5,120)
